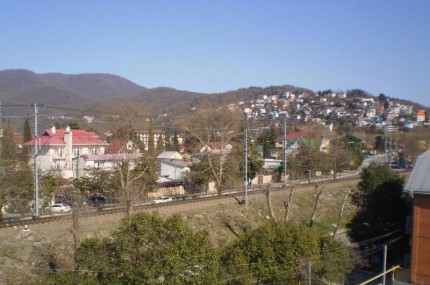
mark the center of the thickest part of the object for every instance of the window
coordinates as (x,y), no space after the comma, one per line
(60,152)
(76,151)
(94,150)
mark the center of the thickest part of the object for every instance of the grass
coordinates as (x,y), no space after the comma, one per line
(329,225)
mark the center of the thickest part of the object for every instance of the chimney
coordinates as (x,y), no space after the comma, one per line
(68,129)
(53,129)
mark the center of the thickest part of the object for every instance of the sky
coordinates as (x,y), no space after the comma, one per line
(380,46)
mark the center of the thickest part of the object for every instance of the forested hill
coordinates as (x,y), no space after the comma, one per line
(75,96)
(87,92)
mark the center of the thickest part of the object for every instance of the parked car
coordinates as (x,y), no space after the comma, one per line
(96,200)
(59,208)
(163,199)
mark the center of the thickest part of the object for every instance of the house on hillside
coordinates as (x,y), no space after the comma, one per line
(421,116)
(296,139)
(58,147)
(418,187)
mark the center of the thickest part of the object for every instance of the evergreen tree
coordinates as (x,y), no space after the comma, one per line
(267,140)
(276,253)
(381,208)
(151,145)
(160,144)
(168,146)
(175,142)
(25,154)
(8,148)
(146,250)
(27,131)
(74,126)
(16,180)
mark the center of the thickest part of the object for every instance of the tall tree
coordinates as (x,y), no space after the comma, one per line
(16,183)
(8,148)
(160,144)
(215,132)
(382,208)
(267,139)
(135,176)
(175,142)
(151,140)
(134,173)
(26,131)
(25,153)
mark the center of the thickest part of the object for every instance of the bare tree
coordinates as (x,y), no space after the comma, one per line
(135,171)
(318,192)
(339,220)
(288,203)
(137,177)
(269,202)
(214,132)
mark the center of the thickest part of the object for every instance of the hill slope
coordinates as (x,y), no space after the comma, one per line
(16,86)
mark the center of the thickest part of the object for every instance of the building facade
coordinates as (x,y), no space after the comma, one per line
(418,187)
(58,147)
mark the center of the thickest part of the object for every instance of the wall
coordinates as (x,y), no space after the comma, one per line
(167,191)
(420,273)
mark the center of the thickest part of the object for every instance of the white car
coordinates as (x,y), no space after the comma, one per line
(59,208)
(163,199)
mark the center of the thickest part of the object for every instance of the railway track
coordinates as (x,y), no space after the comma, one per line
(142,207)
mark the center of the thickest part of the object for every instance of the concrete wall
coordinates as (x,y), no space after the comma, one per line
(420,273)
(167,191)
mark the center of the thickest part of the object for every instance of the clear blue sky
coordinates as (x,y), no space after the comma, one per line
(381,46)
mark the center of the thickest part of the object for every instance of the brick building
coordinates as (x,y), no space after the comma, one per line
(418,187)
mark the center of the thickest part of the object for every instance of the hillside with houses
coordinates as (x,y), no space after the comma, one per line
(133,152)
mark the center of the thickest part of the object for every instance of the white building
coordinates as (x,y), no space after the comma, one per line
(144,135)
(58,148)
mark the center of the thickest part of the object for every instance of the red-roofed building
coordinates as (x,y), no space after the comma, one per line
(58,148)
(121,146)
(295,139)
(421,116)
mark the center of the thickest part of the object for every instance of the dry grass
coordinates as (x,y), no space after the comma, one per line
(24,255)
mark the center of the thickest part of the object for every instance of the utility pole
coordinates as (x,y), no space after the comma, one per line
(77,164)
(309,273)
(386,144)
(384,265)
(285,150)
(36,174)
(335,160)
(245,167)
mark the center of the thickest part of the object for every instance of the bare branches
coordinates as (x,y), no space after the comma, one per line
(339,220)
(318,192)
(288,203)
(269,202)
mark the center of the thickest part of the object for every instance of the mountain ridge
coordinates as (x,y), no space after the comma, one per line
(76,95)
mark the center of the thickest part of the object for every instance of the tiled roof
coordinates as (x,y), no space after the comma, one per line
(115,146)
(295,135)
(79,137)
